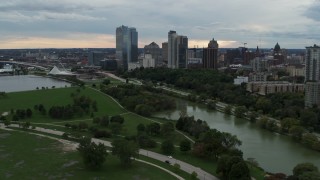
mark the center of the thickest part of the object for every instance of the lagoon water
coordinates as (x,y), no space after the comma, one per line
(28,82)
(274,152)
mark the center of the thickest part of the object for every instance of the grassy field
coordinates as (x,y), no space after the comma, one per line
(54,97)
(42,158)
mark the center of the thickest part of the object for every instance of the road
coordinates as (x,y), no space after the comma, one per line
(203,175)
(137,82)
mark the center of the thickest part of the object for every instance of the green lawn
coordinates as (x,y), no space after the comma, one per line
(42,158)
(61,96)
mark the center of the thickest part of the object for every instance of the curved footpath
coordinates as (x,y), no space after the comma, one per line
(203,175)
(74,145)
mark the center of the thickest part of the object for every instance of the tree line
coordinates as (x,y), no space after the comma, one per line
(212,84)
(139,99)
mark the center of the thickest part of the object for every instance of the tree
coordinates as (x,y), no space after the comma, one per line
(102,134)
(26,125)
(167,129)
(240,111)
(96,120)
(264,104)
(222,166)
(93,155)
(117,119)
(167,147)
(185,145)
(115,128)
(287,123)
(272,125)
(233,168)
(176,167)
(143,110)
(145,141)
(106,81)
(302,168)
(228,109)
(296,132)
(309,139)
(153,129)
(232,160)
(194,175)
(309,176)
(104,121)
(308,118)
(262,122)
(125,150)
(240,171)
(253,116)
(28,113)
(7,122)
(83,125)
(212,105)
(316,146)
(141,127)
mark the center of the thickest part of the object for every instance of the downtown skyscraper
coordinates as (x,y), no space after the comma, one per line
(126,45)
(177,50)
(210,55)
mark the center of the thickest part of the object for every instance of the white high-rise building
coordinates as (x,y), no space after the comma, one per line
(312,76)
(126,45)
(177,50)
(148,61)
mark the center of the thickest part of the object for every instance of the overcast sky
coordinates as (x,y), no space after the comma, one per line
(92,23)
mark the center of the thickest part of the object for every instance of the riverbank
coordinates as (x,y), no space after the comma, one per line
(272,151)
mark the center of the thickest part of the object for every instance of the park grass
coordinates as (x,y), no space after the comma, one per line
(129,127)
(57,97)
(42,158)
(169,167)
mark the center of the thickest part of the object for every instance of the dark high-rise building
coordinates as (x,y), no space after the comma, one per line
(109,65)
(165,52)
(155,52)
(95,58)
(126,45)
(210,55)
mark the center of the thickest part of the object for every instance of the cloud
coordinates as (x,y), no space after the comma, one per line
(44,16)
(234,21)
(45,5)
(313,12)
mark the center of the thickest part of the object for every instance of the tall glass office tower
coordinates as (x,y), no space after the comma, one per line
(177,50)
(126,45)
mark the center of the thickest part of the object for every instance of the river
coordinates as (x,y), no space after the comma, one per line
(273,152)
(28,82)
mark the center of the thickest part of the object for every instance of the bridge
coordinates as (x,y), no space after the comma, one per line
(25,64)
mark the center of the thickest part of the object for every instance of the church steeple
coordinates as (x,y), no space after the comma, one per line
(257,52)
(277,48)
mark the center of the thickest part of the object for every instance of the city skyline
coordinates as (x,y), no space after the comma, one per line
(83,24)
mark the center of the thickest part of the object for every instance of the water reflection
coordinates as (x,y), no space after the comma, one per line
(274,152)
(28,82)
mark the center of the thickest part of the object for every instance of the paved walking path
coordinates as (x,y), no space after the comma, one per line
(203,175)
(73,146)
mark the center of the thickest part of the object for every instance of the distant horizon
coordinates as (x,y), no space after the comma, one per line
(138,48)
